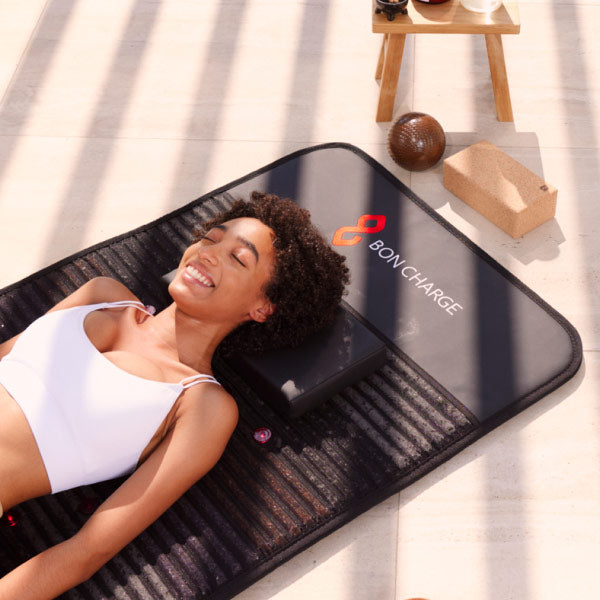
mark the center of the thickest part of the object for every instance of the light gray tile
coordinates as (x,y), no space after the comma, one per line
(516,514)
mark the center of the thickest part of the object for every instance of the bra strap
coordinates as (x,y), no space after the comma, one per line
(195,379)
(134,303)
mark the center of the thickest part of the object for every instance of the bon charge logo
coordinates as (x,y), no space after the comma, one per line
(393,259)
(360,227)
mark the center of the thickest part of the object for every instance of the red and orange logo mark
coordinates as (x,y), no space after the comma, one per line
(360,227)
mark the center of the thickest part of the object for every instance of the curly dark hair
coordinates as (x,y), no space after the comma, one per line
(308,279)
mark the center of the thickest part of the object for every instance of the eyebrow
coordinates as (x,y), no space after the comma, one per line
(243,240)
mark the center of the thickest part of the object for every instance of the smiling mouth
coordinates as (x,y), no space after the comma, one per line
(195,274)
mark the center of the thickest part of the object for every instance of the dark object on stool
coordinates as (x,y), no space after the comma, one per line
(391,8)
(416,141)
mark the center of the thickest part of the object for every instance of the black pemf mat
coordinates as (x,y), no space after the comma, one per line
(468,346)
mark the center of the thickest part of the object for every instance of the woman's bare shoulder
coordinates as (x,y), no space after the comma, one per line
(213,402)
(106,289)
(205,421)
(96,290)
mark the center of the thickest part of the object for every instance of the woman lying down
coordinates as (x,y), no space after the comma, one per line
(99,388)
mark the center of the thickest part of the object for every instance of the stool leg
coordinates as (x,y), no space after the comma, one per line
(493,42)
(379,68)
(389,77)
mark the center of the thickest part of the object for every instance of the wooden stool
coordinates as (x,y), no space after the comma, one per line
(449,17)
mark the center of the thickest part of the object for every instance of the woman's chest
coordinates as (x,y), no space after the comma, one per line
(121,339)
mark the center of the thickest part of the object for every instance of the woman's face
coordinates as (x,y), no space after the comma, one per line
(223,276)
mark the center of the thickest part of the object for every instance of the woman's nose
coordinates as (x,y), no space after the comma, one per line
(209,253)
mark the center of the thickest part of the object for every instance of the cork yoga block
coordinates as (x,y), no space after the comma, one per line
(500,188)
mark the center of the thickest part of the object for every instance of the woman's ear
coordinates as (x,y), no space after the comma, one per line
(262,312)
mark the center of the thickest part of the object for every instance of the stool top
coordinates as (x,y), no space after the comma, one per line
(449,17)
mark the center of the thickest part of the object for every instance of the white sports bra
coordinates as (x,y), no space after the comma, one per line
(91,420)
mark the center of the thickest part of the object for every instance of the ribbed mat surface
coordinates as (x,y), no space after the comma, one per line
(260,504)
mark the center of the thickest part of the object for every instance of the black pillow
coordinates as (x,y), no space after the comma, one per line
(294,380)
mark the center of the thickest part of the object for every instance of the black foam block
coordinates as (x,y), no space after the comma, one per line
(294,380)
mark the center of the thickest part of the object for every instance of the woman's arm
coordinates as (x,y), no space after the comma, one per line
(99,289)
(178,462)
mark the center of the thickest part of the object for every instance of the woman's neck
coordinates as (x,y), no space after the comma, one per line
(189,340)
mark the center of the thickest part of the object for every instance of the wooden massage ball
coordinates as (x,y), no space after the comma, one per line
(416,141)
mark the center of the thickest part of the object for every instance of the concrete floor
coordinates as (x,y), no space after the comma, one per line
(116,111)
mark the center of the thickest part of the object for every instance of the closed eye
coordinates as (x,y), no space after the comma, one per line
(239,261)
